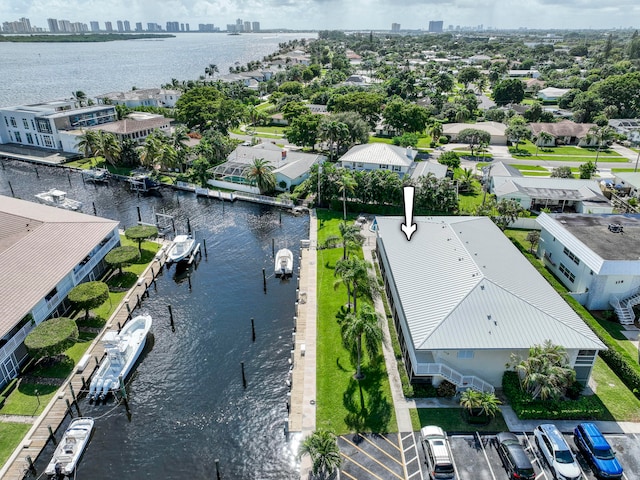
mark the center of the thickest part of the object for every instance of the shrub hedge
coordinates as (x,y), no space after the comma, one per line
(589,408)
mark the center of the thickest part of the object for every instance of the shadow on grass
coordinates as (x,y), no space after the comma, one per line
(59,366)
(29,389)
(369,409)
(125,281)
(94,321)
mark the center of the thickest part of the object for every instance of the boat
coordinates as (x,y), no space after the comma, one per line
(68,452)
(284,262)
(96,175)
(181,248)
(143,183)
(58,198)
(122,349)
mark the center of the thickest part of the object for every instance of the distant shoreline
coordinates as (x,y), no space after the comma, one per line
(81,37)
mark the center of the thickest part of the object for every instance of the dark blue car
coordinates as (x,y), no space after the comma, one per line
(597,451)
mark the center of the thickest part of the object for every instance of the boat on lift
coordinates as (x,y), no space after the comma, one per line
(58,198)
(284,263)
(96,175)
(69,450)
(122,349)
(181,248)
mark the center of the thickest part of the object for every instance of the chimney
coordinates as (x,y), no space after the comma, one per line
(284,154)
(411,153)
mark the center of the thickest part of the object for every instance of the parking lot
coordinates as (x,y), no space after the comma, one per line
(401,456)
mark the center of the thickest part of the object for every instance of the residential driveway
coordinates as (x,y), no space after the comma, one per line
(381,457)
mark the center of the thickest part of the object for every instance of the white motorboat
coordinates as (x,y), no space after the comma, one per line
(122,350)
(181,248)
(68,452)
(284,262)
(96,175)
(58,198)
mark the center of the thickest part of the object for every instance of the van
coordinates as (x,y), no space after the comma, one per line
(438,453)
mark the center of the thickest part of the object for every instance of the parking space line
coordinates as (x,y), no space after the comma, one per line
(485,455)
(391,443)
(366,469)
(342,472)
(416,457)
(371,457)
(404,461)
(381,450)
(536,459)
(414,474)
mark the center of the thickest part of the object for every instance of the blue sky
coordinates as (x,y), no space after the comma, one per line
(337,14)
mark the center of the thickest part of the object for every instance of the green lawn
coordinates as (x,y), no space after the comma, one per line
(619,400)
(24,401)
(623,169)
(328,222)
(10,436)
(469,201)
(373,139)
(566,151)
(568,158)
(537,168)
(452,420)
(528,173)
(343,404)
(273,130)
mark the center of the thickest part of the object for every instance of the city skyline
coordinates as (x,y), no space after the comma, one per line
(333,14)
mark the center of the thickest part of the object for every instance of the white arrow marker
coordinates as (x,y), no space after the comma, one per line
(408,227)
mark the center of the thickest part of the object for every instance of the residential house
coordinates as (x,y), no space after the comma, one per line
(376,156)
(551,94)
(628,182)
(495,129)
(564,132)
(464,299)
(45,125)
(558,194)
(523,73)
(597,257)
(44,253)
(145,97)
(137,126)
(629,127)
(422,169)
(291,167)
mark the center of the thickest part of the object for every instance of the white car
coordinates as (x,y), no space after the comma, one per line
(438,453)
(557,452)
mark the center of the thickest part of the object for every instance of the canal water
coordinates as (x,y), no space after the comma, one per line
(187,400)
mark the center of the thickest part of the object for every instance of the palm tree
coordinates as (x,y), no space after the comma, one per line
(489,404)
(260,173)
(465,181)
(354,274)
(80,97)
(108,147)
(346,184)
(211,70)
(179,141)
(546,373)
(436,131)
(152,151)
(355,326)
(471,399)
(351,236)
(322,448)
(88,142)
(542,139)
(601,135)
(333,132)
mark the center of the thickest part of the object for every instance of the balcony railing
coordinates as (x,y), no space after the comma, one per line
(461,381)
(15,341)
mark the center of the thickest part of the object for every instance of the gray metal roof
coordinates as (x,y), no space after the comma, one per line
(421,169)
(550,188)
(39,246)
(589,238)
(463,285)
(501,169)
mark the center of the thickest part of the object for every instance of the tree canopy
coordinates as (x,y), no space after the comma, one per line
(51,337)
(122,256)
(510,90)
(140,233)
(89,295)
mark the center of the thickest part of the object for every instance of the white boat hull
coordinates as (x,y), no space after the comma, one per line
(122,349)
(70,448)
(284,263)
(181,248)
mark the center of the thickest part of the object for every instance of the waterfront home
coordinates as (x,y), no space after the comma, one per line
(597,257)
(290,167)
(145,97)
(137,126)
(48,124)
(463,299)
(44,253)
(376,156)
(559,194)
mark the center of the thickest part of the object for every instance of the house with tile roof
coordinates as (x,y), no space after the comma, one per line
(463,299)
(597,257)
(44,253)
(564,132)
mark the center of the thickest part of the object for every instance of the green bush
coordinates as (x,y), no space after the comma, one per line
(425,391)
(589,408)
(443,140)
(7,391)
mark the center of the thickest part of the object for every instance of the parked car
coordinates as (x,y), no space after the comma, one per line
(438,453)
(556,452)
(514,458)
(597,451)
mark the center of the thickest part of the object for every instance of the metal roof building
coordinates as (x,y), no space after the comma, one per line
(464,299)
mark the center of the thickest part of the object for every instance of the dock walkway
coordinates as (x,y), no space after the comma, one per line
(64,402)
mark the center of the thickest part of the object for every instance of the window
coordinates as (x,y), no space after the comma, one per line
(571,255)
(44,126)
(51,294)
(30,138)
(47,141)
(396,168)
(567,273)
(6,122)
(384,166)
(25,123)
(465,354)
(18,137)
(33,125)
(13,122)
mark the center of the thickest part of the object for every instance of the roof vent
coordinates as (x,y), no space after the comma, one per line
(615,228)
(489,317)
(481,287)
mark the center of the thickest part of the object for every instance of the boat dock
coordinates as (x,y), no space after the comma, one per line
(65,401)
(302,411)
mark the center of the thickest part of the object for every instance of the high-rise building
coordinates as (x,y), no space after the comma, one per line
(26,24)
(187,27)
(95,26)
(127,26)
(255,26)
(78,27)
(153,27)
(435,26)
(138,26)
(173,26)
(53,25)
(120,25)
(108,26)
(395,27)
(239,25)
(64,26)
(231,27)
(247,26)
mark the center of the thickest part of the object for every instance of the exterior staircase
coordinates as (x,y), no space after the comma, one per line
(462,382)
(624,307)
